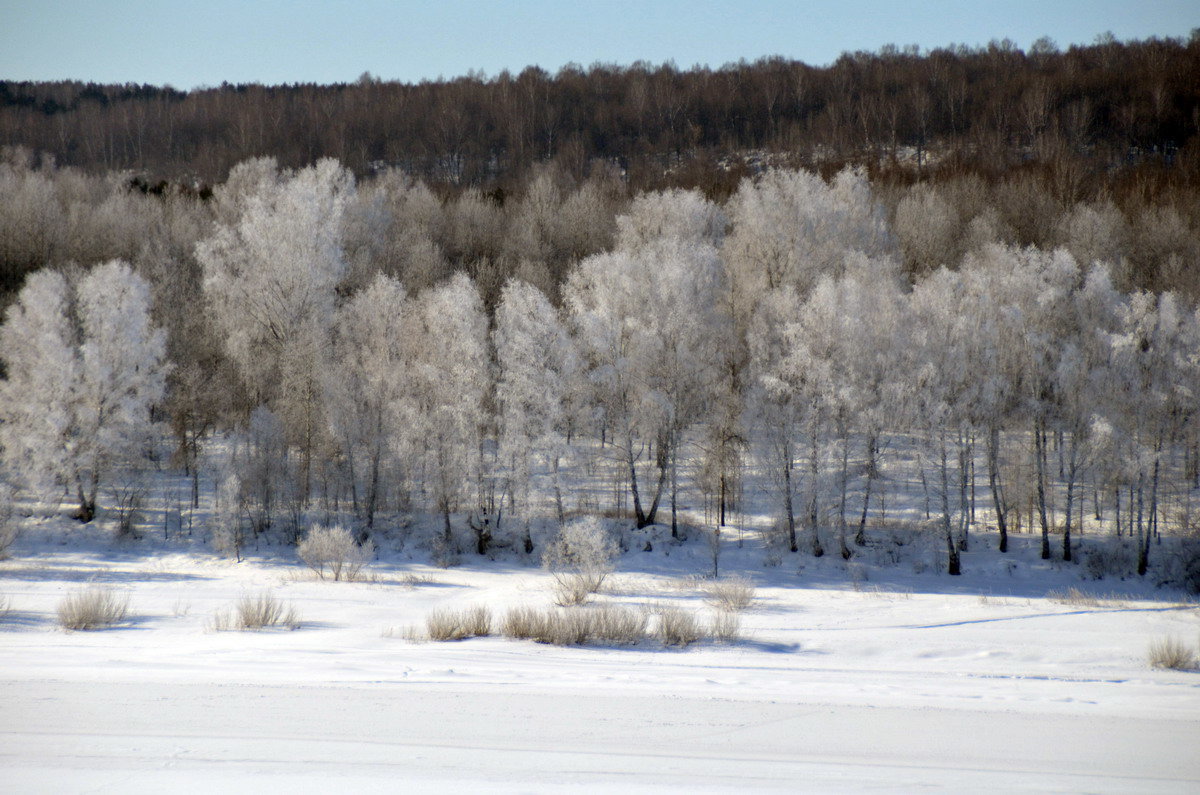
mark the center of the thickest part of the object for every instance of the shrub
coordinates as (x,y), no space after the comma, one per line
(735,593)
(257,612)
(1173,654)
(128,494)
(606,624)
(726,626)
(580,558)
(472,622)
(333,549)
(94,608)
(228,535)
(524,623)
(678,627)
(575,588)
(617,625)
(1101,561)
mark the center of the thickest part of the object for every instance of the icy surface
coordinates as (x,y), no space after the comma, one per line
(848,678)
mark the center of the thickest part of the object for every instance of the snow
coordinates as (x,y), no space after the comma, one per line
(850,677)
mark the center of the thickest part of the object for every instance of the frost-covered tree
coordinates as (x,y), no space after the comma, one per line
(41,360)
(122,371)
(271,268)
(260,468)
(857,324)
(538,370)
(645,319)
(781,397)
(1153,391)
(405,232)
(367,390)
(938,365)
(929,230)
(790,228)
(85,368)
(450,377)
(1082,371)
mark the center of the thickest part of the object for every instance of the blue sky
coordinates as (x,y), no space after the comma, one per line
(205,42)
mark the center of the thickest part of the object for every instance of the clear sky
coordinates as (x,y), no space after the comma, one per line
(205,42)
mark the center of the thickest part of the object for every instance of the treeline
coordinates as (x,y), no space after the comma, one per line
(307,343)
(402,226)
(1095,116)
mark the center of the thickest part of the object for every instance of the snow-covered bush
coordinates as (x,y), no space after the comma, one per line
(471,622)
(95,608)
(227,534)
(580,557)
(256,612)
(609,624)
(333,549)
(726,626)
(733,594)
(128,495)
(678,627)
(1171,653)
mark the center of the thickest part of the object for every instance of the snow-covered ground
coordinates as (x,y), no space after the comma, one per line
(849,677)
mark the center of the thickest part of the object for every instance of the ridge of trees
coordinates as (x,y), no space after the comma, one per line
(1094,115)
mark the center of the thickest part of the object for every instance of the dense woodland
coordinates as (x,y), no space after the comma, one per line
(501,307)
(1087,111)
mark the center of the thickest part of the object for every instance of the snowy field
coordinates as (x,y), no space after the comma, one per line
(848,677)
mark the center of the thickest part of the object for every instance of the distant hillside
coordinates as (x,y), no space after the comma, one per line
(1091,115)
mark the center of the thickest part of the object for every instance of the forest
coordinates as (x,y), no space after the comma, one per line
(973,305)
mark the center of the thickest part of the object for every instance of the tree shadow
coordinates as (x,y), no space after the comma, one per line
(46,572)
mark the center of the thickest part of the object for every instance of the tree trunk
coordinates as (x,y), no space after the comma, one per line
(1143,538)
(843,487)
(674,486)
(372,485)
(993,454)
(787,502)
(860,538)
(814,513)
(639,515)
(558,500)
(1072,473)
(965,454)
(1039,445)
(953,565)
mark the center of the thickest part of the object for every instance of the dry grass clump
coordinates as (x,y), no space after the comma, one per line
(607,624)
(576,588)
(5,605)
(733,594)
(726,627)
(617,625)
(95,608)
(523,623)
(1173,654)
(1077,598)
(333,549)
(257,612)
(677,627)
(471,622)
